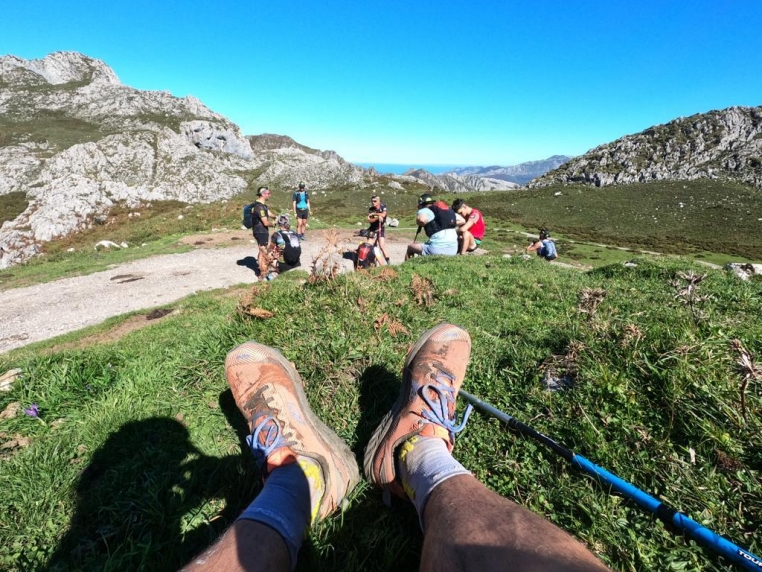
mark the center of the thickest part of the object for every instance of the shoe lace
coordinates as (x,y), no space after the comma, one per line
(439,409)
(266,437)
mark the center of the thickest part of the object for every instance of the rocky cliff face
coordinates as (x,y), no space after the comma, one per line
(718,144)
(76,141)
(285,162)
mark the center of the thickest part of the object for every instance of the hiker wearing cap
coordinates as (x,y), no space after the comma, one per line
(301,205)
(544,246)
(438,222)
(262,221)
(471,230)
(285,249)
(377,217)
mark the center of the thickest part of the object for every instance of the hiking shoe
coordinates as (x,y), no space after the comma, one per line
(431,378)
(269,393)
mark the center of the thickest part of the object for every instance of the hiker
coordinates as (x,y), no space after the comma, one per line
(309,471)
(301,205)
(285,250)
(261,220)
(438,222)
(544,246)
(377,217)
(471,232)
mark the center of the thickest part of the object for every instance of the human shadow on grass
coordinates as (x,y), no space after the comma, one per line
(140,500)
(368,536)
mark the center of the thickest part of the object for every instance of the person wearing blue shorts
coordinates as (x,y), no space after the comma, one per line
(438,221)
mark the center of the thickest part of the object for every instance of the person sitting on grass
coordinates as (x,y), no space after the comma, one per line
(438,220)
(309,471)
(285,250)
(544,246)
(471,231)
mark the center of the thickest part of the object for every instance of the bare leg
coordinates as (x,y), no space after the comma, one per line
(493,533)
(413,249)
(264,262)
(467,242)
(466,526)
(308,473)
(382,246)
(246,546)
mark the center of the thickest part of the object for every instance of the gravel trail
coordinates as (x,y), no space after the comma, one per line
(44,311)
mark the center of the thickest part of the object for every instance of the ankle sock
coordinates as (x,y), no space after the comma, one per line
(424,463)
(285,502)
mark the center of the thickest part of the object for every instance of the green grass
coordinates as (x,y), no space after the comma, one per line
(592,227)
(715,216)
(139,463)
(12,205)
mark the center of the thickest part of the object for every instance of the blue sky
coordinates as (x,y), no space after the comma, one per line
(421,82)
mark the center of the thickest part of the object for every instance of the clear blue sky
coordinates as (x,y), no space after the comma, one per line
(472,82)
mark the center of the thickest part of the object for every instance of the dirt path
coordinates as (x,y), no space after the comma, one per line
(47,310)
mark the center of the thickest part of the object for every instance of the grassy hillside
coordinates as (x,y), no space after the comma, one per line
(687,217)
(137,459)
(718,222)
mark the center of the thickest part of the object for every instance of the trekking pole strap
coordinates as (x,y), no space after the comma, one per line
(672,518)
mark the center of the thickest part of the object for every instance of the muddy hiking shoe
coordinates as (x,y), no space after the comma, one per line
(431,378)
(270,394)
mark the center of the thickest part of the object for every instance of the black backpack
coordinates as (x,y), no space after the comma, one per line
(444,218)
(248,220)
(293,250)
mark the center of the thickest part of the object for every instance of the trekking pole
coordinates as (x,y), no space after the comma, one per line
(673,519)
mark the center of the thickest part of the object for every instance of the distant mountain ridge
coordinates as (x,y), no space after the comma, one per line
(520,174)
(719,144)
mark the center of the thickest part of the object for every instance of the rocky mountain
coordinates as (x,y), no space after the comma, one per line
(75,141)
(725,144)
(454,183)
(285,162)
(520,174)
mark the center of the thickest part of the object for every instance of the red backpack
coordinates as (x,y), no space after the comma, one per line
(365,256)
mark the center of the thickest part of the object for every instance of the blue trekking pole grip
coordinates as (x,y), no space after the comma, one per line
(673,519)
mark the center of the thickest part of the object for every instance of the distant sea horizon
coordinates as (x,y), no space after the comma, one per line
(399,168)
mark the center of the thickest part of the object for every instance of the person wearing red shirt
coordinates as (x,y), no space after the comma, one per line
(471,230)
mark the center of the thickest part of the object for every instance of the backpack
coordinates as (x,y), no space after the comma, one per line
(444,218)
(293,250)
(365,256)
(549,249)
(248,220)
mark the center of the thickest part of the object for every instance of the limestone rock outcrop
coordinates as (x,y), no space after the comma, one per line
(724,144)
(76,142)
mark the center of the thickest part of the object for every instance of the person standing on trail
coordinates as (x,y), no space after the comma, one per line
(545,246)
(301,205)
(471,232)
(261,219)
(285,250)
(438,221)
(377,217)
